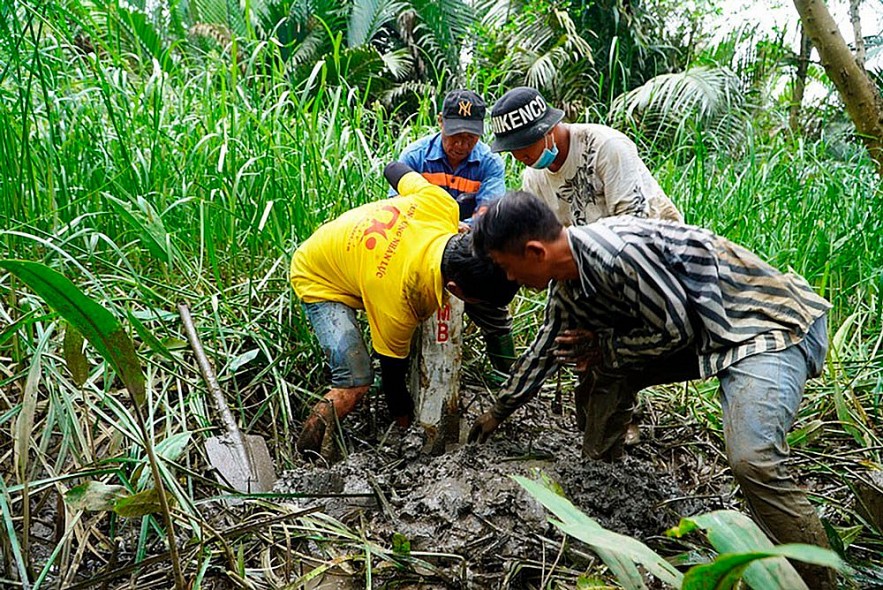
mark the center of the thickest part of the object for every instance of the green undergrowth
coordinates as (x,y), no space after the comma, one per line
(147,184)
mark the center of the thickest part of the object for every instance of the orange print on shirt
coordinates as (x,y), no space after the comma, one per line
(379,227)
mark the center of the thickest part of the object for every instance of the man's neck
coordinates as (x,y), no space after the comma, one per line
(453,163)
(561,258)
(562,140)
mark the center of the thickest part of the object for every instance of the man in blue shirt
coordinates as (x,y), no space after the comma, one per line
(456,159)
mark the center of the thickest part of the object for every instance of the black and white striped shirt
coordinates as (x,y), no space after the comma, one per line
(649,288)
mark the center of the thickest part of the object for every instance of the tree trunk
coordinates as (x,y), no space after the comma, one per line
(799,81)
(856,21)
(863,102)
(407,24)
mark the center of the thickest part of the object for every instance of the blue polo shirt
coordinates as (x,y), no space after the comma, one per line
(481,174)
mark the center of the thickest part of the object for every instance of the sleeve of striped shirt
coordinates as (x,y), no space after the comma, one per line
(658,299)
(536,364)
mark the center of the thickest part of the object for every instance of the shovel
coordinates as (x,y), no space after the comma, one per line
(240,461)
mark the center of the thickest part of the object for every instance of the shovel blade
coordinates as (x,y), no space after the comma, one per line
(253,476)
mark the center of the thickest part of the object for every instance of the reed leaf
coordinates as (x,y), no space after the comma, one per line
(24,423)
(732,533)
(75,356)
(12,536)
(97,324)
(619,552)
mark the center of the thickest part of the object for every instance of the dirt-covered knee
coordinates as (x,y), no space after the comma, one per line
(752,468)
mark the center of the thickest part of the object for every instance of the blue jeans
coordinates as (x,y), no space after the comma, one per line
(340,337)
(760,396)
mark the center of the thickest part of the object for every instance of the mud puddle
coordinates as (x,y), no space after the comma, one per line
(464,502)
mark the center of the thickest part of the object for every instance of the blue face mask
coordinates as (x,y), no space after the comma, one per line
(547,157)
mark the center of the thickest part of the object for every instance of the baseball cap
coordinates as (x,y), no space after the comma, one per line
(521,117)
(463,111)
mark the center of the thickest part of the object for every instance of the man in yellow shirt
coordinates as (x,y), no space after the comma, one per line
(395,259)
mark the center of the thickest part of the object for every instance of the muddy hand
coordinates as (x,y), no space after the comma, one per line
(579,348)
(483,427)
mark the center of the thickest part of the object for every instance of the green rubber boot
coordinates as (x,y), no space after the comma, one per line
(500,351)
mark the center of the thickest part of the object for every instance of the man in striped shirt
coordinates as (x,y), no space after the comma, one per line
(582,172)
(668,302)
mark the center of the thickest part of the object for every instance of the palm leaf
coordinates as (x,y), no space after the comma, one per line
(667,105)
(208,11)
(545,49)
(226,13)
(367,17)
(441,27)
(399,63)
(495,13)
(136,24)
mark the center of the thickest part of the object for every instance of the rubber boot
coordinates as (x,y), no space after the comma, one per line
(320,419)
(337,403)
(500,351)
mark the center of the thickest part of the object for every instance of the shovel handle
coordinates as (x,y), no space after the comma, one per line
(208,374)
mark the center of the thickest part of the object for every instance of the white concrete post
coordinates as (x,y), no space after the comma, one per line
(435,375)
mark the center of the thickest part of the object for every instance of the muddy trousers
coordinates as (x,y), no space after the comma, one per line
(759,398)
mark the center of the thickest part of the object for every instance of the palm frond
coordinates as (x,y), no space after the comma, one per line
(704,97)
(209,11)
(578,47)
(399,63)
(367,17)
(442,25)
(135,23)
(310,48)
(236,18)
(545,50)
(495,13)
(404,93)
(543,72)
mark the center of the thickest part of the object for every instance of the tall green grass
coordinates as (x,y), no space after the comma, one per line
(146,187)
(149,181)
(793,203)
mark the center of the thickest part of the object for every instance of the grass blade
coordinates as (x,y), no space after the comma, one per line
(9,525)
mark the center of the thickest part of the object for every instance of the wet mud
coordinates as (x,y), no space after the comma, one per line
(464,501)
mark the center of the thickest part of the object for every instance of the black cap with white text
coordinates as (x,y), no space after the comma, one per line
(520,118)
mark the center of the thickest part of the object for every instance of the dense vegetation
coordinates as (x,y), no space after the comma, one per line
(156,153)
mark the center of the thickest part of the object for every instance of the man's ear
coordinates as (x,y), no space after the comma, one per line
(455,290)
(535,250)
(441,123)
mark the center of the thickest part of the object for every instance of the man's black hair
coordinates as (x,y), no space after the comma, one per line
(512,221)
(476,274)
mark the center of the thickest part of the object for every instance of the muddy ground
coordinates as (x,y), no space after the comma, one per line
(463,502)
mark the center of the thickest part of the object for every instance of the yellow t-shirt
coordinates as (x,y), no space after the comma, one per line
(383,257)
